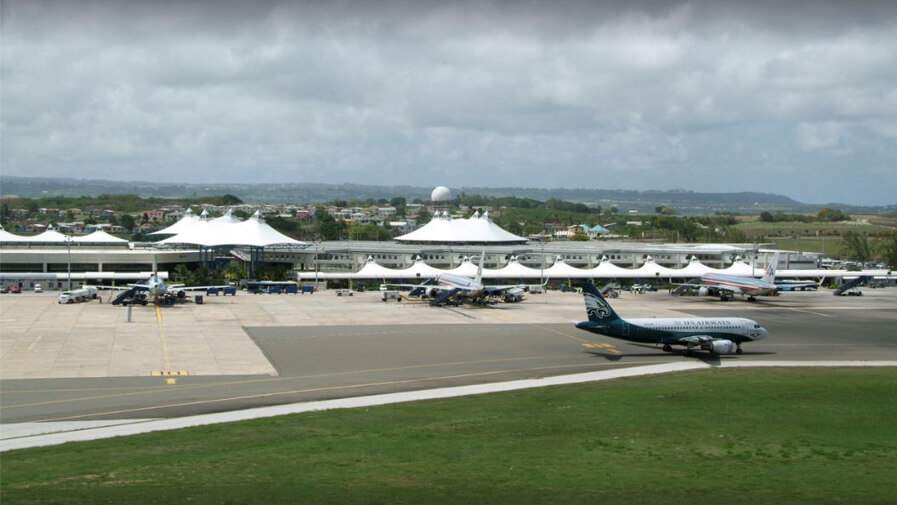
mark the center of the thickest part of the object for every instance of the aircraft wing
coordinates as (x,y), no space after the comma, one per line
(696,339)
(792,285)
(181,287)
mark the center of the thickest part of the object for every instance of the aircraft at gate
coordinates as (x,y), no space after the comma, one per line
(156,290)
(719,335)
(450,288)
(727,286)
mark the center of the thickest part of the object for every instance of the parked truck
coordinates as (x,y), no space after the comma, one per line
(79,295)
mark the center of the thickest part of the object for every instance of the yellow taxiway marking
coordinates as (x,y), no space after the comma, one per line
(171,381)
(155,389)
(162,338)
(810,312)
(562,334)
(315,390)
(603,347)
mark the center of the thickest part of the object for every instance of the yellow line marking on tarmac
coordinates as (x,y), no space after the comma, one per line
(327,388)
(156,389)
(603,347)
(162,338)
(809,312)
(562,333)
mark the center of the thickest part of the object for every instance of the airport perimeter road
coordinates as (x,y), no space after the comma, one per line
(446,348)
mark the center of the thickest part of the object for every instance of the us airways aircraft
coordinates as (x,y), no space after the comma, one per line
(719,335)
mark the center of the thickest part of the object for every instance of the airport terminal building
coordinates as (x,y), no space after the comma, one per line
(443,244)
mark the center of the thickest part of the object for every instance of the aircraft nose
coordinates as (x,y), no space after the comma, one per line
(763,333)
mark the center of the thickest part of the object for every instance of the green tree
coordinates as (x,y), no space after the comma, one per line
(856,246)
(127,222)
(229,199)
(889,250)
(829,215)
(181,273)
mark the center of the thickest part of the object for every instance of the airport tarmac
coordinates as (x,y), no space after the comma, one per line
(86,362)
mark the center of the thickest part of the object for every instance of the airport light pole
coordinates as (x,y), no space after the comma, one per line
(316,263)
(68,246)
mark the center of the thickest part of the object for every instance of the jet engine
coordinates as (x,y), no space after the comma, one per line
(722,347)
(432,292)
(182,294)
(702,291)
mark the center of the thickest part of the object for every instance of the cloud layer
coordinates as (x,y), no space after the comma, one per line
(710,96)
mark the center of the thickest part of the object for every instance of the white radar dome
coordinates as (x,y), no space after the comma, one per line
(441,194)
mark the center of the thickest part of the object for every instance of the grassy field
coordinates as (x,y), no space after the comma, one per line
(720,436)
(806,229)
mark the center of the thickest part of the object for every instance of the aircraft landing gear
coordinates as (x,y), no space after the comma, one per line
(738,350)
(667,348)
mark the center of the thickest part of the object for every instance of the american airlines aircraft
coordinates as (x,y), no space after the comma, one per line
(727,286)
(719,335)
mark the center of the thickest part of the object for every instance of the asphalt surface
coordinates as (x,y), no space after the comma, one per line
(327,362)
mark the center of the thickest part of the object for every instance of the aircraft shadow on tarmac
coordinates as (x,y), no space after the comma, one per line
(706,357)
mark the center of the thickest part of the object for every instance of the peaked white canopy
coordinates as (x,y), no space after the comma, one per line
(6,236)
(467,268)
(514,270)
(50,236)
(99,237)
(477,229)
(183,224)
(418,269)
(211,233)
(650,270)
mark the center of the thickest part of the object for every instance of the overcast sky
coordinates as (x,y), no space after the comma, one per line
(796,98)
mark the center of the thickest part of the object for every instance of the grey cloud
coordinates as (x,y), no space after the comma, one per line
(570,93)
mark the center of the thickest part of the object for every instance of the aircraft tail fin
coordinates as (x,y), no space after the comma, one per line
(597,308)
(769,275)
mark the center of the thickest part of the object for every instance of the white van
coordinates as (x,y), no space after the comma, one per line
(38,288)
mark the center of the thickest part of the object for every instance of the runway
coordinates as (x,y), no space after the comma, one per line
(329,362)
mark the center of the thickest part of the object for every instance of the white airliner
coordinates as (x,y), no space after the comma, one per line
(157,290)
(727,286)
(451,288)
(719,335)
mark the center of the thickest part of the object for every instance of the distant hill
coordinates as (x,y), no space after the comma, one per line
(684,202)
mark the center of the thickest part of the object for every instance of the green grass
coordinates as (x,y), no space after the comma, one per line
(806,229)
(719,436)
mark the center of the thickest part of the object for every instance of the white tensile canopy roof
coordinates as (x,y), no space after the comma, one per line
(99,237)
(418,269)
(561,270)
(607,270)
(211,233)
(183,224)
(695,269)
(514,270)
(477,229)
(50,236)
(739,268)
(651,270)
(6,236)
(467,268)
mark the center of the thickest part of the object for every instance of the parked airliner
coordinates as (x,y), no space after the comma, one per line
(450,288)
(727,286)
(719,335)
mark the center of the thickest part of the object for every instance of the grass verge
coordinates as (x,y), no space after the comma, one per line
(718,436)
